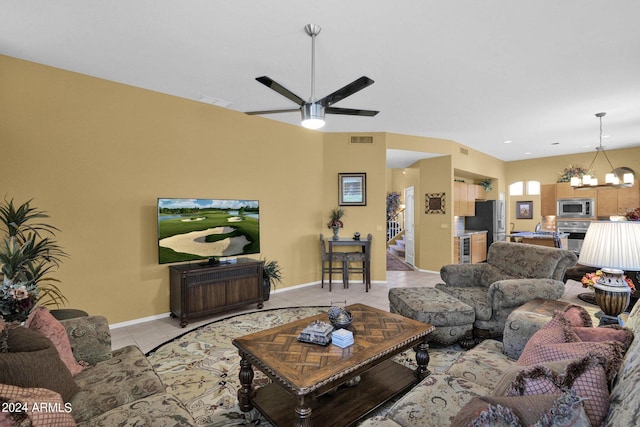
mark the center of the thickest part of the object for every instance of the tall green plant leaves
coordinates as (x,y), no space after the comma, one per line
(29,252)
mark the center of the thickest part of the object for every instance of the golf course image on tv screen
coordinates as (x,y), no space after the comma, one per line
(201,229)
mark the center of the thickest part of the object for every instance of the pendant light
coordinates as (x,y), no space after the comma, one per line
(621,177)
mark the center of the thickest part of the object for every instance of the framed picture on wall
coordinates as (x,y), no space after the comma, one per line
(434,203)
(352,189)
(524,210)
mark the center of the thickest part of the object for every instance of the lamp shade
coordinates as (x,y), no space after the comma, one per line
(612,244)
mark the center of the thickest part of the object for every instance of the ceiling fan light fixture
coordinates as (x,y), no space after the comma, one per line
(312,116)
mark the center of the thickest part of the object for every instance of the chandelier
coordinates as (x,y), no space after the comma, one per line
(621,177)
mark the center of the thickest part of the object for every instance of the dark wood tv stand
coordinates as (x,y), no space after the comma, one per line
(198,290)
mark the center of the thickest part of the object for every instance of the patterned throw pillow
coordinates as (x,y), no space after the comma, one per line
(558,340)
(33,362)
(4,334)
(39,406)
(556,331)
(606,333)
(41,320)
(611,353)
(577,316)
(586,376)
(543,410)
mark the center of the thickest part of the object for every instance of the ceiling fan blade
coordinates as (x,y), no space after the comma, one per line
(350,111)
(270,83)
(348,90)
(288,110)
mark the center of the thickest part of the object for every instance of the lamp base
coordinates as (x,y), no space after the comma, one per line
(610,320)
(612,293)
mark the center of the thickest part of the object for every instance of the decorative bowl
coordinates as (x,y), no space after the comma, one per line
(340,318)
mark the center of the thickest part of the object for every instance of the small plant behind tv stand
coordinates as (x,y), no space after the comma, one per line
(197,290)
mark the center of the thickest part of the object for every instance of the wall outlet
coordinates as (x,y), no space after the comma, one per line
(444,225)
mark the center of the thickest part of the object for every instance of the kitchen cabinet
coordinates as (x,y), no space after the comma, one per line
(478,247)
(616,201)
(464,198)
(459,194)
(548,199)
(470,247)
(481,194)
(564,190)
(628,198)
(471,200)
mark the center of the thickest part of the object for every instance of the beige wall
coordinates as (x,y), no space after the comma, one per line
(342,156)
(434,242)
(96,155)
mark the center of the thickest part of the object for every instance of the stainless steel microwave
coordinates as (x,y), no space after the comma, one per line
(576,208)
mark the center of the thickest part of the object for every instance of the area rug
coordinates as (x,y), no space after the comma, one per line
(396,264)
(201,367)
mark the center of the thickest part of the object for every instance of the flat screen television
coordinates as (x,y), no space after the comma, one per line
(207,229)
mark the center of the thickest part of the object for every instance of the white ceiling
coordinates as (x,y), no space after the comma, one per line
(477,72)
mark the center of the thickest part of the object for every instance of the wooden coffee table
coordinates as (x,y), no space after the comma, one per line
(302,374)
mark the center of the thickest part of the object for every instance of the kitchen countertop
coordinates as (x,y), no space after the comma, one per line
(470,232)
(534,235)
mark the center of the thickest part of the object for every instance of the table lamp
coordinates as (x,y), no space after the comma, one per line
(612,246)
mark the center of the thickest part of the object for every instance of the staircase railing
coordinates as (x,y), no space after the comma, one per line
(395,225)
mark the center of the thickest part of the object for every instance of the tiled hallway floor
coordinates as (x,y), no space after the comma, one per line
(149,335)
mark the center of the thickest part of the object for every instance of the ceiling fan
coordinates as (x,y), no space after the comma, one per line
(314,110)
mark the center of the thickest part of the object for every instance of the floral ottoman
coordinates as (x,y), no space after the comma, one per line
(452,318)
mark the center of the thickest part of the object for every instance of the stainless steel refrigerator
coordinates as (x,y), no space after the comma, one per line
(490,216)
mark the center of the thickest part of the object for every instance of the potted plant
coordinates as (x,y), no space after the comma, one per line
(393,204)
(27,255)
(486,184)
(335,221)
(271,276)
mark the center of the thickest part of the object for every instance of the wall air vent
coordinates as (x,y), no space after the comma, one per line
(214,101)
(362,140)
(464,151)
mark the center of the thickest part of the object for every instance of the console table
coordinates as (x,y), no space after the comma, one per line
(201,289)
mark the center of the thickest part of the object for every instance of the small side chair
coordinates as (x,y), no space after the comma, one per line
(336,265)
(362,262)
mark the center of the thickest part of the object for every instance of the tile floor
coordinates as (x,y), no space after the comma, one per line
(149,335)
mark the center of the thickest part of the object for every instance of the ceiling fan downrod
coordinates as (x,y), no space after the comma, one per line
(312,31)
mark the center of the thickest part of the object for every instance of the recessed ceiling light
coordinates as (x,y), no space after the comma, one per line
(508,142)
(527,153)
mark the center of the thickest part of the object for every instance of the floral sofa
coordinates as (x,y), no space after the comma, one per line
(107,388)
(478,376)
(514,274)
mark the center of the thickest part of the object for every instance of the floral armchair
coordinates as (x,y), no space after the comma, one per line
(514,274)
